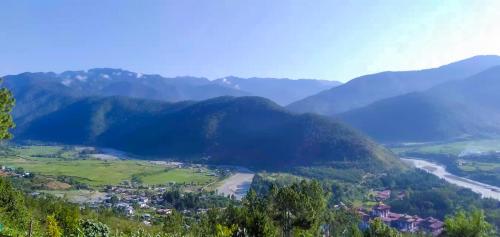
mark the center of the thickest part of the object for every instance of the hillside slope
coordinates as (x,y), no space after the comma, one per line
(468,107)
(367,89)
(248,131)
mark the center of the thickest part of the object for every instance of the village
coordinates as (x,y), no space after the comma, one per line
(399,221)
(152,203)
(136,200)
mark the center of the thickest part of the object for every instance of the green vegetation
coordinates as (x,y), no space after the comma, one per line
(451,148)
(475,159)
(247,131)
(465,108)
(299,209)
(423,194)
(67,161)
(41,151)
(6,105)
(465,225)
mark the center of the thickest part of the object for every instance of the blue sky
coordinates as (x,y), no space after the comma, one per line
(335,40)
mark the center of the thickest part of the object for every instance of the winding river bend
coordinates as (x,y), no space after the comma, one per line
(485,190)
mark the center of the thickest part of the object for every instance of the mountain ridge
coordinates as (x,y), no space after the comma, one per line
(367,89)
(119,82)
(455,109)
(247,131)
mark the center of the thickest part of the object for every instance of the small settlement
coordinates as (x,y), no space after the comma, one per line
(149,203)
(402,222)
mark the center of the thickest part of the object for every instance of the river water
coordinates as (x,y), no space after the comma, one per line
(485,190)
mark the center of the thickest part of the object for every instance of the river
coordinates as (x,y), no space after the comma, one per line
(485,190)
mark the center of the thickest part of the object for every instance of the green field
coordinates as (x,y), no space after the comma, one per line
(95,172)
(480,166)
(453,148)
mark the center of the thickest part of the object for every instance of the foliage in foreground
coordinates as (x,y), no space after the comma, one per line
(468,225)
(296,210)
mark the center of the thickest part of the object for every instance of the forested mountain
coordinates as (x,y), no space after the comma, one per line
(282,91)
(367,89)
(117,82)
(249,131)
(468,107)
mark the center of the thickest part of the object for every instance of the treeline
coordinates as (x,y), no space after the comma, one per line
(299,209)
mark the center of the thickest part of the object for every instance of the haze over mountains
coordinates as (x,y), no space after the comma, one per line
(117,82)
(178,117)
(282,91)
(365,90)
(461,108)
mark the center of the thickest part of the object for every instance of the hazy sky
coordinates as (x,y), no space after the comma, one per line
(335,40)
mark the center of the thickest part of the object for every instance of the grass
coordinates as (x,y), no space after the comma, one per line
(480,166)
(44,151)
(53,161)
(178,176)
(453,148)
(37,150)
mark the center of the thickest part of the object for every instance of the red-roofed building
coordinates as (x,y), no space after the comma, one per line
(431,225)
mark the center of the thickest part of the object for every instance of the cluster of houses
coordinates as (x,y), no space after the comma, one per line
(402,222)
(144,203)
(11,171)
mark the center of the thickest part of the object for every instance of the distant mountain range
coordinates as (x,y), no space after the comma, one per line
(456,109)
(142,114)
(117,82)
(248,131)
(368,89)
(282,91)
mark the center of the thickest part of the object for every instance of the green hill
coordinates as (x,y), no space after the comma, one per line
(365,90)
(248,131)
(462,108)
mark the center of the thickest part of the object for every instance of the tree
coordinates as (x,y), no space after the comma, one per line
(379,229)
(257,220)
(13,209)
(53,229)
(173,223)
(68,218)
(6,122)
(89,228)
(342,222)
(299,206)
(224,231)
(467,225)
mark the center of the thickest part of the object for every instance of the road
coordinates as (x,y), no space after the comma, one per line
(237,184)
